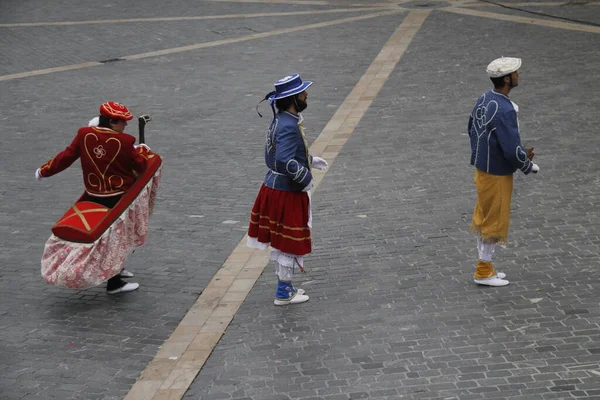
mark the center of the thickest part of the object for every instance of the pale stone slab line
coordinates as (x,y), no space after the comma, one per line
(299,2)
(49,70)
(399,2)
(200,45)
(341,126)
(524,20)
(196,18)
(182,356)
(259,35)
(534,4)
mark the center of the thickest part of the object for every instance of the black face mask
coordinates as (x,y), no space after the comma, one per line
(299,104)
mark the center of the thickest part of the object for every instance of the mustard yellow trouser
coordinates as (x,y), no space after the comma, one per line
(491,216)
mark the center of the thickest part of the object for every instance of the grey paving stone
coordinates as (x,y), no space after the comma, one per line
(413,254)
(393,312)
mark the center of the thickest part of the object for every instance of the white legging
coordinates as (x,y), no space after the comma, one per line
(285,264)
(485,250)
(284,273)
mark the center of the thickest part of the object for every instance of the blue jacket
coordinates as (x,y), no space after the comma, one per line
(286,154)
(494,133)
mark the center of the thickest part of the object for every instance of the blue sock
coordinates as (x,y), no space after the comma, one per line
(285,290)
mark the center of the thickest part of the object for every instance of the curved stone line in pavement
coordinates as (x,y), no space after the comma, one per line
(535,4)
(183,355)
(198,46)
(297,2)
(525,20)
(196,18)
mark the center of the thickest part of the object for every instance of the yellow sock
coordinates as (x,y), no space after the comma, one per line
(485,269)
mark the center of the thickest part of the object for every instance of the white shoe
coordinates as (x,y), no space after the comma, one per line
(500,275)
(300,291)
(298,298)
(493,281)
(128,287)
(125,274)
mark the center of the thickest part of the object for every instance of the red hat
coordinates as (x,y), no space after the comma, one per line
(115,110)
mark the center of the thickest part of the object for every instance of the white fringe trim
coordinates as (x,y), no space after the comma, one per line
(286,259)
(253,243)
(309,210)
(281,258)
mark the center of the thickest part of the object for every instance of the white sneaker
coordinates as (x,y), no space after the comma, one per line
(493,281)
(128,287)
(298,298)
(500,275)
(300,291)
(125,274)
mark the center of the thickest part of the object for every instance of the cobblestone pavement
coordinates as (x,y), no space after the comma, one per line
(393,311)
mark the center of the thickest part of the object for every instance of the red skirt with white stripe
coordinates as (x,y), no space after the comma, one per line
(280,218)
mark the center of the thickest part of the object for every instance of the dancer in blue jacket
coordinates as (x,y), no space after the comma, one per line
(281,216)
(496,153)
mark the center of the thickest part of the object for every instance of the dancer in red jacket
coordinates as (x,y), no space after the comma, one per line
(110,162)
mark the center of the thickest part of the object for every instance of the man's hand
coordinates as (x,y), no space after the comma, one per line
(530,153)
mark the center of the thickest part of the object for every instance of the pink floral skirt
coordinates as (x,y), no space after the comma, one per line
(85,265)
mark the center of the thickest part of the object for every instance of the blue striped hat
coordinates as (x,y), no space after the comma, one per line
(289,86)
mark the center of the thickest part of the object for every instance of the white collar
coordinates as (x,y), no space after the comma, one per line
(499,94)
(298,117)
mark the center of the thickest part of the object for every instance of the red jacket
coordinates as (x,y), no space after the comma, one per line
(108,160)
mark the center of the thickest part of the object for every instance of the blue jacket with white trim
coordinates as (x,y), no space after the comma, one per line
(494,134)
(286,154)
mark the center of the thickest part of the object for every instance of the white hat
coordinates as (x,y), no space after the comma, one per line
(503,66)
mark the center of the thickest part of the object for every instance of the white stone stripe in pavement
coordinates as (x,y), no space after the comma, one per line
(195,18)
(181,358)
(298,2)
(525,20)
(199,45)
(535,4)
